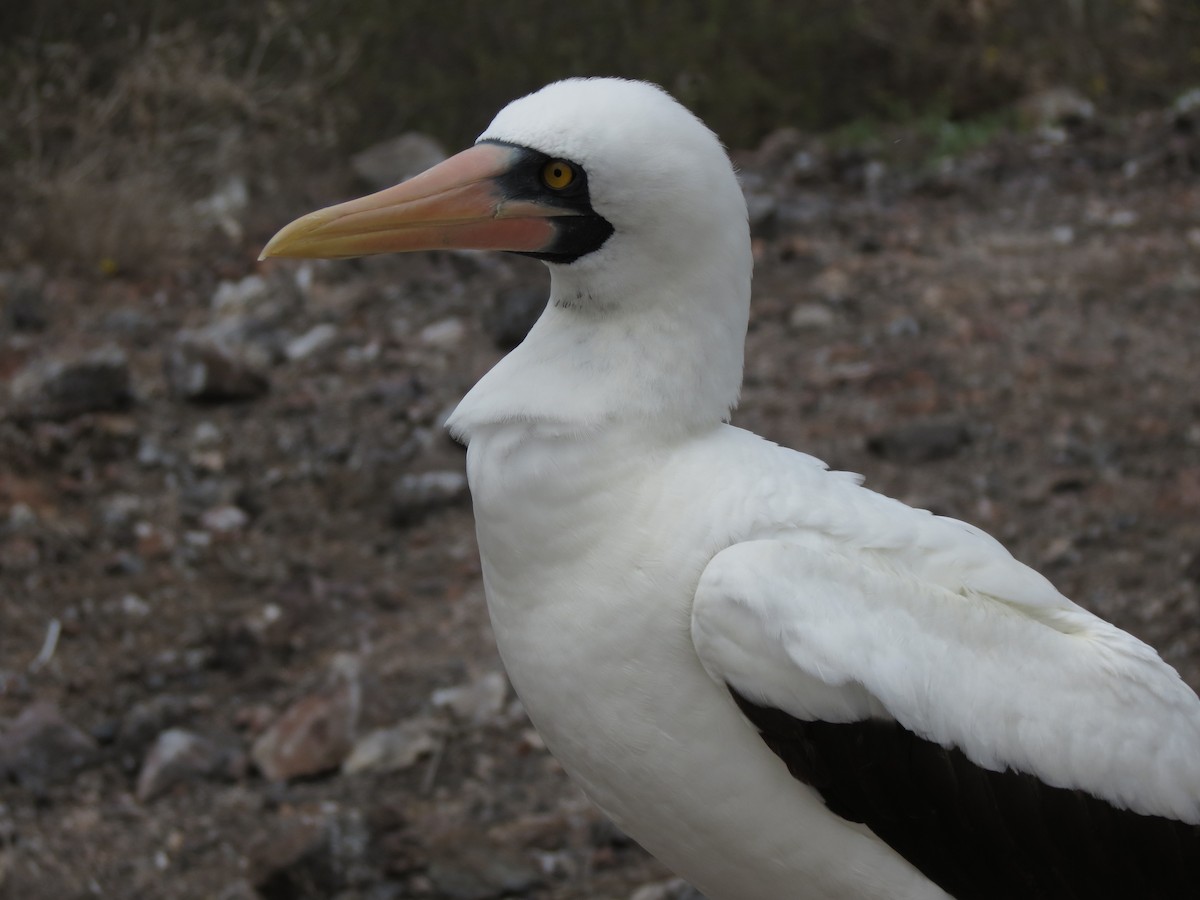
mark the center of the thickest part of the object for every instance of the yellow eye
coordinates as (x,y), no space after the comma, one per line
(558,174)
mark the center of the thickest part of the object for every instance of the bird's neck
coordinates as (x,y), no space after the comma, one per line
(671,362)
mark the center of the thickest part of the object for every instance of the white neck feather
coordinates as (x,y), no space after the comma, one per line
(603,353)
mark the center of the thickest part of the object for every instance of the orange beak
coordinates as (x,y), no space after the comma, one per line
(457,204)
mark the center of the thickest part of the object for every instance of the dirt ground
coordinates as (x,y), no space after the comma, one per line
(234,543)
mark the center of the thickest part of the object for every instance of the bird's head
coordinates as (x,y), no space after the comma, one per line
(598,176)
(629,199)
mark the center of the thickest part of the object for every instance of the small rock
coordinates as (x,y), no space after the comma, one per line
(541,831)
(1062,235)
(920,441)
(1122,218)
(315,339)
(118,510)
(21,516)
(224,520)
(151,541)
(811,317)
(396,748)
(474,870)
(239,296)
(443,333)
(206,435)
(203,371)
(316,733)
(134,606)
(512,313)
(479,702)
(63,389)
(1059,551)
(832,285)
(388,162)
(415,496)
(41,747)
(179,756)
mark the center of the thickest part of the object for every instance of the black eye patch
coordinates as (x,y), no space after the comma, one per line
(576,235)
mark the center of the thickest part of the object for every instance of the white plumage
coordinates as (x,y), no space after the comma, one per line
(642,558)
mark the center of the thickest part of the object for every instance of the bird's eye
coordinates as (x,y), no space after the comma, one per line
(558,174)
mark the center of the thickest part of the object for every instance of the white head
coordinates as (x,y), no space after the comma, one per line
(646,319)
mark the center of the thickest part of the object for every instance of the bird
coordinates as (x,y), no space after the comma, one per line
(782,684)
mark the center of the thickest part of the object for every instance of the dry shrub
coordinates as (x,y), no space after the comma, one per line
(110,162)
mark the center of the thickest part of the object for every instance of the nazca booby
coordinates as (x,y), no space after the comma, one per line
(782,684)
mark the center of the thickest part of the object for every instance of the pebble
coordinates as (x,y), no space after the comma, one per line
(316,733)
(203,371)
(206,435)
(152,541)
(479,702)
(238,296)
(312,341)
(179,756)
(811,317)
(443,333)
(65,388)
(1062,235)
(415,496)
(118,511)
(42,747)
(542,831)
(832,286)
(224,520)
(474,870)
(21,516)
(396,748)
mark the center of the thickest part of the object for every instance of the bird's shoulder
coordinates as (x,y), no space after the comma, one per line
(767,491)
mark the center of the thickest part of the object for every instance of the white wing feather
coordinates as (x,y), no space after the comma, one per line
(1032,682)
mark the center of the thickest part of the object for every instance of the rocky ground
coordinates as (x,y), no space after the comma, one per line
(245,651)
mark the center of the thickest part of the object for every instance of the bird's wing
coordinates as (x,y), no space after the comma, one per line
(990,741)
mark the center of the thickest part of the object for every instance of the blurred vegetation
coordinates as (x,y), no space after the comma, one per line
(169,96)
